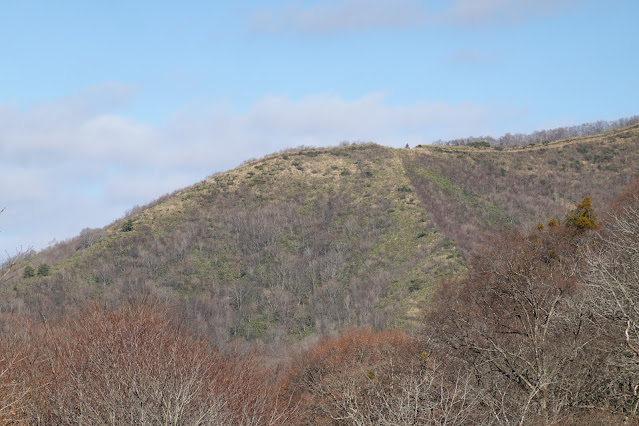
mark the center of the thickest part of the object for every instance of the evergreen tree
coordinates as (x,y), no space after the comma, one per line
(583,217)
(43,270)
(28,272)
(127,226)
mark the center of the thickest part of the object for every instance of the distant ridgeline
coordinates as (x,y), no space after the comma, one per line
(541,136)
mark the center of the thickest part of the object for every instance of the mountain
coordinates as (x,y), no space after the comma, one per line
(312,240)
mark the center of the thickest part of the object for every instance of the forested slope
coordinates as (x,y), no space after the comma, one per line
(473,191)
(313,240)
(279,248)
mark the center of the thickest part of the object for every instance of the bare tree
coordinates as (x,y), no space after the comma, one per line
(519,324)
(542,136)
(8,263)
(613,278)
(614,267)
(136,364)
(383,378)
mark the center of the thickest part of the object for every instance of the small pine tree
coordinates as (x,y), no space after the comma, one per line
(28,272)
(43,270)
(127,226)
(583,217)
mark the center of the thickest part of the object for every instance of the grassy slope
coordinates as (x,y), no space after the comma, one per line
(473,192)
(311,240)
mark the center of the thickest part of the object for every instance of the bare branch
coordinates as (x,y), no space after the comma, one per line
(628,339)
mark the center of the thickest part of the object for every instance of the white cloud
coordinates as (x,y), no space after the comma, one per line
(90,164)
(322,17)
(277,122)
(134,187)
(345,15)
(502,12)
(471,57)
(71,127)
(86,103)
(369,116)
(23,184)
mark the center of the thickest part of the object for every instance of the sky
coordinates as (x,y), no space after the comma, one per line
(108,105)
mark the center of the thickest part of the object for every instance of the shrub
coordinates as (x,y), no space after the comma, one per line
(367,377)
(43,270)
(28,272)
(127,226)
(482,144)
(583,217)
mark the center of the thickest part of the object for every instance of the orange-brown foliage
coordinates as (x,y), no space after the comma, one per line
(627,198)
(351,369)
(132,364)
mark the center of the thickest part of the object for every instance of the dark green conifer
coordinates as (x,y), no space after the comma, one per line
(28,272)
(43,270)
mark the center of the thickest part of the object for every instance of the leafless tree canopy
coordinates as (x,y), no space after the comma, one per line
(541,136)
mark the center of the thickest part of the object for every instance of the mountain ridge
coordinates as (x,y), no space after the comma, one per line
(309,241)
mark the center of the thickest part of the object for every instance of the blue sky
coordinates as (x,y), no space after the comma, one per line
(107,105)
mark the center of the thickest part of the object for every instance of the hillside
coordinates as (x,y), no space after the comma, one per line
(473,191)
(311,240)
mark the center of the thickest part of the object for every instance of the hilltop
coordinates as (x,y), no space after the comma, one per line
(311,240)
